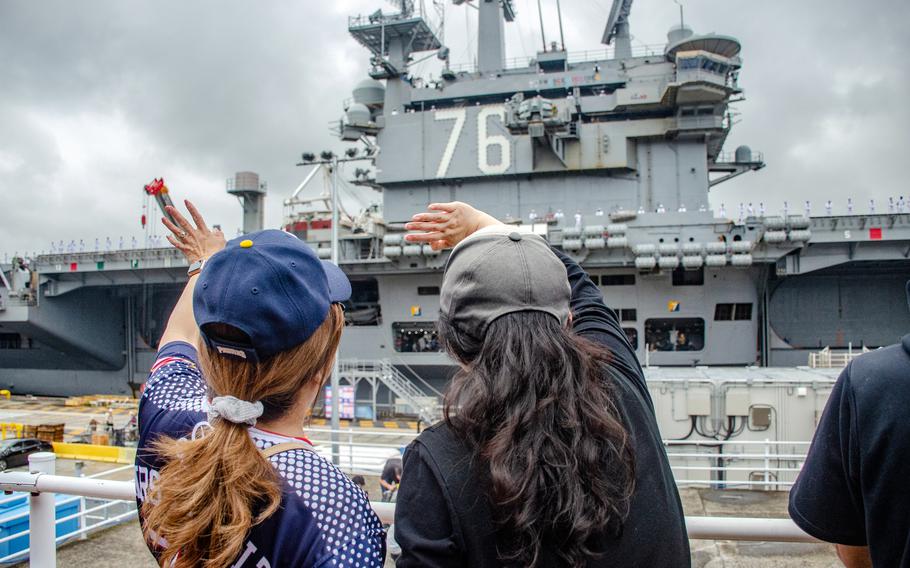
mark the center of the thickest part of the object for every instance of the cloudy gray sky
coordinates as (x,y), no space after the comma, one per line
(97,98)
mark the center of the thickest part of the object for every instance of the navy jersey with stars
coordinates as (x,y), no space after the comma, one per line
(324,520)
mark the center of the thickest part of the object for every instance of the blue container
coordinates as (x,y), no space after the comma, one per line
(14,519)
(364,412)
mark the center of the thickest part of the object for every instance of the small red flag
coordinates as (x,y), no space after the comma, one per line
(875,233)
(73,266)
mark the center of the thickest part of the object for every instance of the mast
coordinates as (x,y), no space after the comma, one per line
(618,28)
(491,39)
(543,35)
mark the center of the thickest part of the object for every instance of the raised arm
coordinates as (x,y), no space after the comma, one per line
(196,243)
(592,319)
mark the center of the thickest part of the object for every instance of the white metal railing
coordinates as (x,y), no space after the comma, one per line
(42,484)
(763,464)
(99,503)
(830,359)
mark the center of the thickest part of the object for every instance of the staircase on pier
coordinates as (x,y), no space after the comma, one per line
(426,405)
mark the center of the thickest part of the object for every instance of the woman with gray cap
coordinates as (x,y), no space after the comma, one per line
(224,473)
(549,454)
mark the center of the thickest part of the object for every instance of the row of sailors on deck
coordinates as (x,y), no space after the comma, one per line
(549,454)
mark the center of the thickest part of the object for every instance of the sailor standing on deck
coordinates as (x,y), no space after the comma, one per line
(550,453)
(224,473)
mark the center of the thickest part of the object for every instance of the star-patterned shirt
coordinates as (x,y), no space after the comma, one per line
(324,520)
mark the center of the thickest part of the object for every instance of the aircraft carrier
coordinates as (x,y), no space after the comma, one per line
(609,153)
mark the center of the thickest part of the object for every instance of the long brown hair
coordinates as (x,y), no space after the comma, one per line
(213,489)
(536,404)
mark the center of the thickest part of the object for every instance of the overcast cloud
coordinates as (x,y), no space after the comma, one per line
(97,98)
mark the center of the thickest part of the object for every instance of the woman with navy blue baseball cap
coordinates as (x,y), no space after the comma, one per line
(225,475)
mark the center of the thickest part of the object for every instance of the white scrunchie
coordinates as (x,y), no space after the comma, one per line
(234,410)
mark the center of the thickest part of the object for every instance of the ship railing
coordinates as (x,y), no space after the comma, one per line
(770,465)
(573,57)
(41,484)
(21,298)
(730,158)
(828,358)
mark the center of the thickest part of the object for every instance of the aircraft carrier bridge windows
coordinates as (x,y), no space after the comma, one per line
(683,277)
(363,308)
(628,314)
(428,290)
(723,312)
(617,280)
(632,334)
(415,337)
(675,334)
(733,312)
(701,66)
(10,341)
(742,312)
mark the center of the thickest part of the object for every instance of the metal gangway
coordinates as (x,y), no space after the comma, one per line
(425,405)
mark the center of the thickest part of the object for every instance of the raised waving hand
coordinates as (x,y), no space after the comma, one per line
(445,225)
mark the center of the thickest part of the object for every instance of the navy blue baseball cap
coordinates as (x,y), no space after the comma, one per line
(271,286)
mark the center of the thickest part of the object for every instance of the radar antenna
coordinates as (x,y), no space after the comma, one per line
(618,28)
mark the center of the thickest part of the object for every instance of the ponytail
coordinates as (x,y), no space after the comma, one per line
(213,489)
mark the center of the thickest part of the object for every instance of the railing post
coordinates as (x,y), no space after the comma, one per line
(767,464)
(78,468)
(351,449)
(42,516)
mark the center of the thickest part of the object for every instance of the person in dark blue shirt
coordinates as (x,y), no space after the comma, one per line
(852,490)
(224,473)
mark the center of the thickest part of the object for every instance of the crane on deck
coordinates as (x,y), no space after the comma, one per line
(618,28)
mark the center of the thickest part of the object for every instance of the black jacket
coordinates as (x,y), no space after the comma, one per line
(853,487)
(443,515)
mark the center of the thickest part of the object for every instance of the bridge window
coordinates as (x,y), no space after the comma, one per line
(723,312)
(10,341)
(617,280)
(415,337)
(629,314)
(675,334)
(730,312)
(428,290)
(683,277)
(363,307)
(632,334)
(742,312)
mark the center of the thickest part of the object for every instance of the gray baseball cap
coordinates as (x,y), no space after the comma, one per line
(499,271)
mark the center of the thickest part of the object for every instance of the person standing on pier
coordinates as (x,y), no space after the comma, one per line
(852,490)
(549,454)
(224,473)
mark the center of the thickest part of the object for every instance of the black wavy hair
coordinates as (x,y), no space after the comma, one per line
(535,402)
